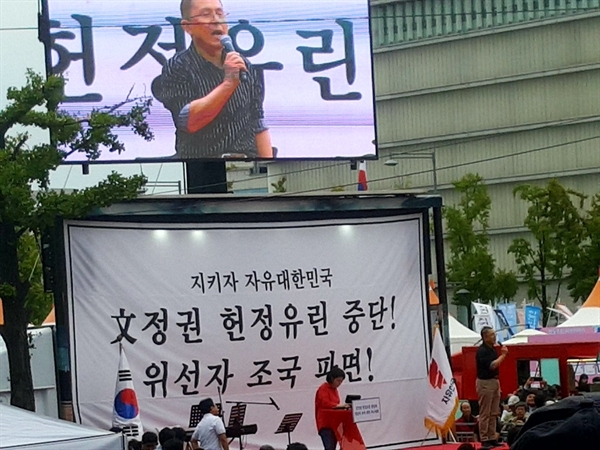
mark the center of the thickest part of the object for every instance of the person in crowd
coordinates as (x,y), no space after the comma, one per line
(509,412)
(327,398)
(539,400)
(552,393)
(215,97)
(266,447)
(182,436)
(173,444)
(530,402)
(533,384)
(466,446)
(467,422)
(296,446)
(582,384)
(134,444)
(210,431)
(149,440)
(518,419)
(164,435)
(488,387)
(512,434)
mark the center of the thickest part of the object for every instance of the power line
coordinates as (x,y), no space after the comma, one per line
(339,163)
(420,172)
(452,166)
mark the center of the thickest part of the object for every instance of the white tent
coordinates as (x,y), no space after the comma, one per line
(42,368)
(20,429)
(460,336)
(522,337)
(589,314)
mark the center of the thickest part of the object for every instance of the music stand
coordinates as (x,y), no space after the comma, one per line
(237,415)
(195,416)
(288,424)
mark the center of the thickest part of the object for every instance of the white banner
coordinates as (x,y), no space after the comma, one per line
(258,311)
(483,316)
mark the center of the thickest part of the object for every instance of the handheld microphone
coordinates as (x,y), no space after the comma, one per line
(227,44)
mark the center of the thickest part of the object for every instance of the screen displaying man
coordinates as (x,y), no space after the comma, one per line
(216,112)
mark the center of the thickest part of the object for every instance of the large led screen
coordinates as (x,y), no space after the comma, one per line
(296,76)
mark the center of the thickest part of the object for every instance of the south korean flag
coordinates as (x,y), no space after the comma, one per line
(126,411)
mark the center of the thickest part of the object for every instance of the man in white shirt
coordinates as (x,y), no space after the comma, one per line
(210,431)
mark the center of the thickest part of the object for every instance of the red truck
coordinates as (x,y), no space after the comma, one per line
(561,361)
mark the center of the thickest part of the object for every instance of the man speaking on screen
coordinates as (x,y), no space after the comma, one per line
(212,92)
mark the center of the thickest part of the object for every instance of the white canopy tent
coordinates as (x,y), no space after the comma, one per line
(589,314)
(460,336)
(20,429)
(522,337)
(42,368)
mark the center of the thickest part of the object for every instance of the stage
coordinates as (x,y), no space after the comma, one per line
(452,446)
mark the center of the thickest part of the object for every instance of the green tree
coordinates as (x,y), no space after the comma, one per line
(556,228)
(29,208)
(471,266)
(506,285)
(584,267)
(38,301)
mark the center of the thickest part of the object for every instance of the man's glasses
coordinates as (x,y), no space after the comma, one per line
(210,16)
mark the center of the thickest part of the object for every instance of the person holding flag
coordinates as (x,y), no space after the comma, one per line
(442,395)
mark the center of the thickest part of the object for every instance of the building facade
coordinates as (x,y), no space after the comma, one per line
(506,89)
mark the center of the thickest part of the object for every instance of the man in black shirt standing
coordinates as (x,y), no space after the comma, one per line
(215,113)
(488,386)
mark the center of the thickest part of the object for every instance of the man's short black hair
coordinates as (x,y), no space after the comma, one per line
(180,434)
(206,405)
(484,331)
(296,446)
(185,7)
(149,437)
(164,435)
(334,373)
(134,444)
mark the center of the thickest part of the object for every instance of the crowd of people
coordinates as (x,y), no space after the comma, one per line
(166,439)
(515,411)
(498,421)
(173,439)
(333,419)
